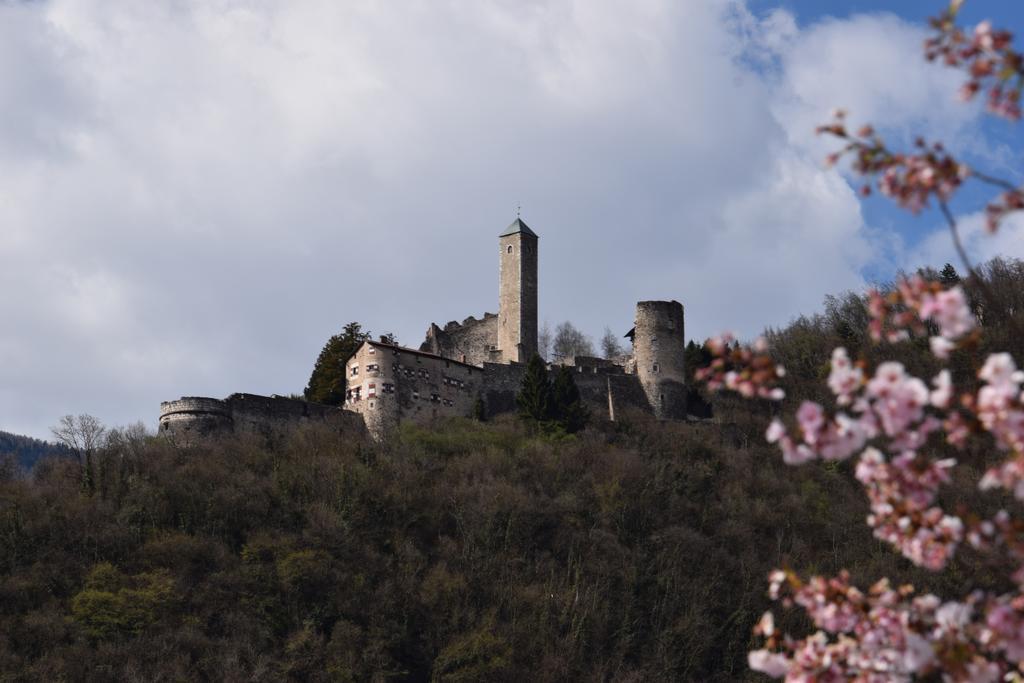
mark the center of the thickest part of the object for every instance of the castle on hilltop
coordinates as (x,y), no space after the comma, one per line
(461,368)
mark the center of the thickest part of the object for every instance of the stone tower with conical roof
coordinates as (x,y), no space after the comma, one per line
(517,293)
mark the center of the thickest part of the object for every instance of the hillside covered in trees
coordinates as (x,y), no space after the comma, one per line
(466,552)
(25,450)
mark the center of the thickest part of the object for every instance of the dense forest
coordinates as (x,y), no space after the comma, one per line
(470,551)
(25,450)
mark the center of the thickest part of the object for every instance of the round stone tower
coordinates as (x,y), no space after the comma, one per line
(192,417)
(659,344)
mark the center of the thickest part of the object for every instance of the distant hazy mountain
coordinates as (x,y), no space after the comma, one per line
(26,450)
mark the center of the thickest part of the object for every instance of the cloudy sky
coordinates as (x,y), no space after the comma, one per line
(195,194)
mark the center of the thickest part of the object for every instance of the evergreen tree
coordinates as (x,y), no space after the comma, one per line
(949,276)
(567,405)
(535,397)
(696,357)
(327,382)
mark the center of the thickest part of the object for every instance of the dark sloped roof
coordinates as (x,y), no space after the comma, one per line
(518,226)
(415,352)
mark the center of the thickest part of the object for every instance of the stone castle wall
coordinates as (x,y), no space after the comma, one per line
(191,418)
(502,382)
(473,341)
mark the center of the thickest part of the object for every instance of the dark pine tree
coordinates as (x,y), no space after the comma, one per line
(534,399)
(567,406)
(949,276)
(327,382)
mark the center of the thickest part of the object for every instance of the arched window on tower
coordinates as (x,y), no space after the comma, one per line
(508,249)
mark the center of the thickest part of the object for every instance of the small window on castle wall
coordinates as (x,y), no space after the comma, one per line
(655,368)
(508,249)
(355,370)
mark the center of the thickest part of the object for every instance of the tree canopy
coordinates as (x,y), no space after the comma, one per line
(327,381)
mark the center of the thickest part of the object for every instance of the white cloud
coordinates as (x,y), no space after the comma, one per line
(194,195)
(937,247)
(871,66)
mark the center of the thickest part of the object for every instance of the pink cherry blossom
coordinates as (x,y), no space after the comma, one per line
(844,379)
(949,309)
(943,392)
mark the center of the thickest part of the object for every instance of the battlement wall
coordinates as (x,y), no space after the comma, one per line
(472,341)
(196,405)
(595,365)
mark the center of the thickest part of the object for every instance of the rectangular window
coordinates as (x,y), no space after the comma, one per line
(372,367)
(372,351)
(355,370)
(415,395)
(389,388)
(655,368)
(371,390)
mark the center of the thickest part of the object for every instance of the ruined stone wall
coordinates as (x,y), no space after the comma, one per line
(271,415)
(659,350)
(393,384)
(473,341)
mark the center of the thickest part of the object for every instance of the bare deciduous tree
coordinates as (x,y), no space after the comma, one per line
(544,341)
(570,342)
(610,345)
(82,435)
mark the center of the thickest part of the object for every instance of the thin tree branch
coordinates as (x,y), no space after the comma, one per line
(974,276)
(992,180)
(955,232)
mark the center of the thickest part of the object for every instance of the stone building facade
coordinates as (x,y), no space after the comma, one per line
(388,384)
(478,364)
